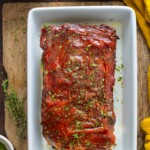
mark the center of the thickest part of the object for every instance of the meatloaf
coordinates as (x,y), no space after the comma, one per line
(78,80)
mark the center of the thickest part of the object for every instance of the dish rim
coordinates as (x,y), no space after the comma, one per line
(134,47)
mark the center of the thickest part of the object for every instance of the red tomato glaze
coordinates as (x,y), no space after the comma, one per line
(78,79)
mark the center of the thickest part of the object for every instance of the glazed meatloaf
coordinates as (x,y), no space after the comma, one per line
(78,79)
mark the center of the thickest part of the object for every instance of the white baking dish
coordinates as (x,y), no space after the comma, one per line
(125,96)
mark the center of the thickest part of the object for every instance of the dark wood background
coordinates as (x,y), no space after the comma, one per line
(143,62)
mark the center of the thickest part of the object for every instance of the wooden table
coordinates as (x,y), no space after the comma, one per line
(9,49)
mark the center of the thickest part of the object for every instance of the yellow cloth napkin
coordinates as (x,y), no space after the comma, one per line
(147,10)
(142,10)
(145,123)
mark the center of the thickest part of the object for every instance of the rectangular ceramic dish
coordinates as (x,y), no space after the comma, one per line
(125,91)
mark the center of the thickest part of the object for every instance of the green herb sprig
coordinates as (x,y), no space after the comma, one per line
(16,110)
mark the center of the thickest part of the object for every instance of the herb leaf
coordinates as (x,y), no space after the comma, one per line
(75,136)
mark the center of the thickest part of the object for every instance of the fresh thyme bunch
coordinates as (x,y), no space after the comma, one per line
(15,108)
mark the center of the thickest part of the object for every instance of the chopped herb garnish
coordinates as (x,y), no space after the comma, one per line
(75,136)
(15,34)
(102,113)
(120,79)
(24,30)
(91,83)
(56,35)
(89,45)
(122,65)
(79,96)
(45,26)
(53,96)
(88,143)
(78,125)
(97,123)
(90,104)
(71,143)
(93,65)
(69,70)
(49,92)
(87,48)
(68,63)
(49,29)
(22,19)
(113,145)
(45,72)
(66,108)
(102,57)
(82,93)
(60,46)
(80,112)
(16,40)
(102,79)
(42,65)
(119,68)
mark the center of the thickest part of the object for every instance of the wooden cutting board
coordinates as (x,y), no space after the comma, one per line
(14,59)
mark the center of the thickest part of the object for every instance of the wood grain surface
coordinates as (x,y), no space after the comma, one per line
(14,59)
